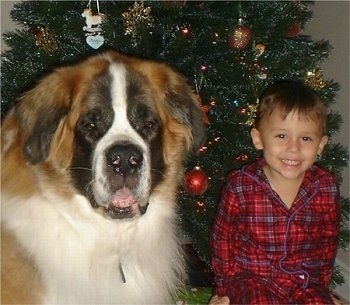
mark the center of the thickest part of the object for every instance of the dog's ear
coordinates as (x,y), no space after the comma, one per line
(39,112)
(185,107)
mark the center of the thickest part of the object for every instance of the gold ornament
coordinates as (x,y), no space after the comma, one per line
(136,15)
(45,40)
(314,79)
(251,113)
(259,50)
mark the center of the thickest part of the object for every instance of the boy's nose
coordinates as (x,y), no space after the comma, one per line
(293,145)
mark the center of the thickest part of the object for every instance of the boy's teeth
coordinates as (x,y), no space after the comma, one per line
(291,162)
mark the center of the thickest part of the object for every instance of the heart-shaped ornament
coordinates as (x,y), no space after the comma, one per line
(95,41)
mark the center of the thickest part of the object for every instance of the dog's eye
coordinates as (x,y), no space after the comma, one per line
(148,124)
(88,123)
(90,126)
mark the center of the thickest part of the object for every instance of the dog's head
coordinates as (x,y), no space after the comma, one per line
(119,127)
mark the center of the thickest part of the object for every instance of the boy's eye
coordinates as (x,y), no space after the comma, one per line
(281,136)
(306,139)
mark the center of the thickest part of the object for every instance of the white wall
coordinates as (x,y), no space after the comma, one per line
(6,22)
(330,22)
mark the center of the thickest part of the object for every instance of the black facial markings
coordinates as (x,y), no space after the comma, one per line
(91,127)
(146,121)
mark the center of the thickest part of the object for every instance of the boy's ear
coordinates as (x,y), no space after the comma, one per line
(255,134)
(322,144)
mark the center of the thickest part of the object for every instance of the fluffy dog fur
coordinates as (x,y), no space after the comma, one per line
(91,160)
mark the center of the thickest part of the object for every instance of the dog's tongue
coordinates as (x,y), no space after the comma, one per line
(123,198)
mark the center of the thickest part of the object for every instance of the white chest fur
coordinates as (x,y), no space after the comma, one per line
(79,252)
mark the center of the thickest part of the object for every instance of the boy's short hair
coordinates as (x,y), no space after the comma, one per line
(291,95)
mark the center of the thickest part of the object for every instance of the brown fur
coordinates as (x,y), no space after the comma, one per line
(17,270)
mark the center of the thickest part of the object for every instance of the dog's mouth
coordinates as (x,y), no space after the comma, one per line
(123,204)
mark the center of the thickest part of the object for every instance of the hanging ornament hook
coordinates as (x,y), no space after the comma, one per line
(97,5)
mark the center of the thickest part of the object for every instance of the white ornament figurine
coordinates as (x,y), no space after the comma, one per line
(91,19)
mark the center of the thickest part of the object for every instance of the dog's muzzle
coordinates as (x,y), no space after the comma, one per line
(124,162)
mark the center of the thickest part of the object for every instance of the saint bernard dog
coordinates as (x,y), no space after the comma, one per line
(91,160)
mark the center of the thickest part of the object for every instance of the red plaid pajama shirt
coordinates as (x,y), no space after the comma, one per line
(265,253)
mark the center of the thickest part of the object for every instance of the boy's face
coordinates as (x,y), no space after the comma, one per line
(290,145)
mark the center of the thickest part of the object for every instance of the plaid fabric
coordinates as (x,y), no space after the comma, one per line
(265,253)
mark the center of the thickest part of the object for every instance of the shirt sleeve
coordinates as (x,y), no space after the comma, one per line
(331,229)
(221,239)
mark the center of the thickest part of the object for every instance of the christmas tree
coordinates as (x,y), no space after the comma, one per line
(229,51)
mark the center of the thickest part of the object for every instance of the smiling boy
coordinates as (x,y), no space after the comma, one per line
(275,234)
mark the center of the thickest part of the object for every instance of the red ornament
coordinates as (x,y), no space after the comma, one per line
(196,181)
(240,37)
(294,30)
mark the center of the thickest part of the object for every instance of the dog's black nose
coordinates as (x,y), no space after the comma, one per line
(124,158)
